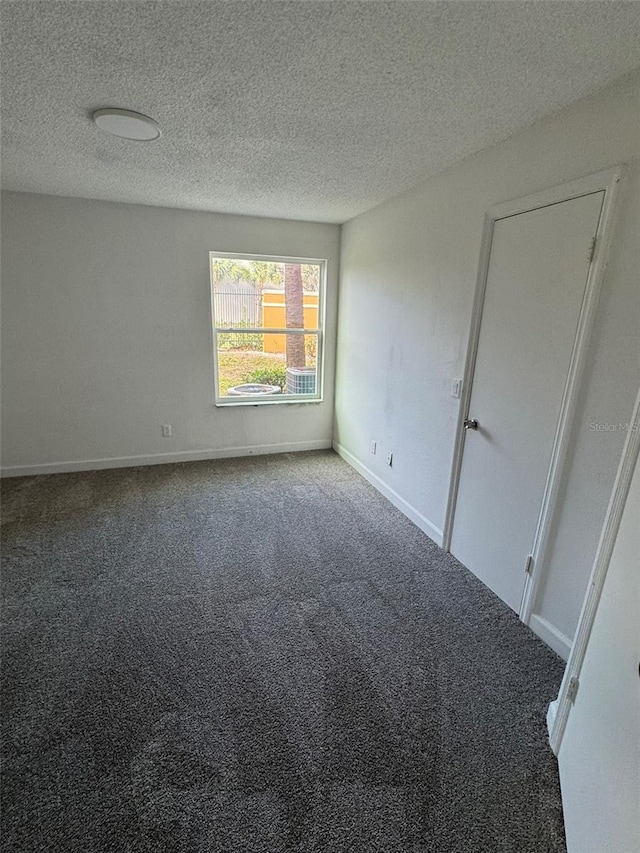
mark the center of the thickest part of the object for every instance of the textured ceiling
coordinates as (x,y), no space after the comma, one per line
(303,110)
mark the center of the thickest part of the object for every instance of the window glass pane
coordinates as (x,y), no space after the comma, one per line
(249,296)
(270,294)
(267,365)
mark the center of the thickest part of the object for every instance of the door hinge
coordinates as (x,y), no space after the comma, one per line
(528,566)
(592,250)
(572,689)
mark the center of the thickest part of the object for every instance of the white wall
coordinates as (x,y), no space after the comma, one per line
(408,274)
(107,334)
(599,757)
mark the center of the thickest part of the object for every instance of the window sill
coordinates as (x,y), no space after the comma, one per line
(276,400)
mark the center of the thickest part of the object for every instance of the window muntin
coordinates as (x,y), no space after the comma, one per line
(267,328)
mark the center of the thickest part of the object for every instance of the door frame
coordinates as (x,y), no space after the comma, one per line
(560,709)
(608,181)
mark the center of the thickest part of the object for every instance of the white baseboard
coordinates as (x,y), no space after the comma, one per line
(560,644)
(399,502)
(161,458)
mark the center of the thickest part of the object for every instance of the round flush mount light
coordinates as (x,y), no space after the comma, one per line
(127,124)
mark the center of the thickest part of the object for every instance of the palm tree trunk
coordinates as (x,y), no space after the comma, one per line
(294,314)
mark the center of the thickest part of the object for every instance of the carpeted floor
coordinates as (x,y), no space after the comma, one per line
(260,655)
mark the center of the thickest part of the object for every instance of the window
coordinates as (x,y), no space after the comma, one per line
(267,328)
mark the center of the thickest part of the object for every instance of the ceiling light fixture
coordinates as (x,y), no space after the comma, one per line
(127,124)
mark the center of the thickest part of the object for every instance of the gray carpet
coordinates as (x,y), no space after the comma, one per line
(260,655)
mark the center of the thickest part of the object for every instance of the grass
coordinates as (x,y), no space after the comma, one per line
(236,366)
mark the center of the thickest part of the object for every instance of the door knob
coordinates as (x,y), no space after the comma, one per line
(470,423)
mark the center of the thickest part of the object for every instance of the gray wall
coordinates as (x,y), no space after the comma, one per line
(107,334)
(600,753)
(408,274)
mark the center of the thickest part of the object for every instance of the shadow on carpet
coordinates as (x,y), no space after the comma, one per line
(257,656)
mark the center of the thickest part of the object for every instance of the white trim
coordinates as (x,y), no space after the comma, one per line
(162,458)
(593,183)
(313,306)
(601,562)
(276,259)
(607,181)
(399,502)
(554,638)
(268,399)
(467,380)
(262,330)
(320,306)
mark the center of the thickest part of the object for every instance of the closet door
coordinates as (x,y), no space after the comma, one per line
(538,268)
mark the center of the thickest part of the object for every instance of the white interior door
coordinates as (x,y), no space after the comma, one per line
(597,729)
(538,269)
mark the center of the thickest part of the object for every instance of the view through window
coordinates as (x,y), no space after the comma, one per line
(267,328)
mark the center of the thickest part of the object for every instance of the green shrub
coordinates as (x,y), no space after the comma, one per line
(240,341)
(276,375)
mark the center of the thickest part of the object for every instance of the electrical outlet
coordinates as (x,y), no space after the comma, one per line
(456,388)
(374,447)
(389,459)
(166,430)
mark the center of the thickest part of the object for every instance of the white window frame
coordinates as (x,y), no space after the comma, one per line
(276,399)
